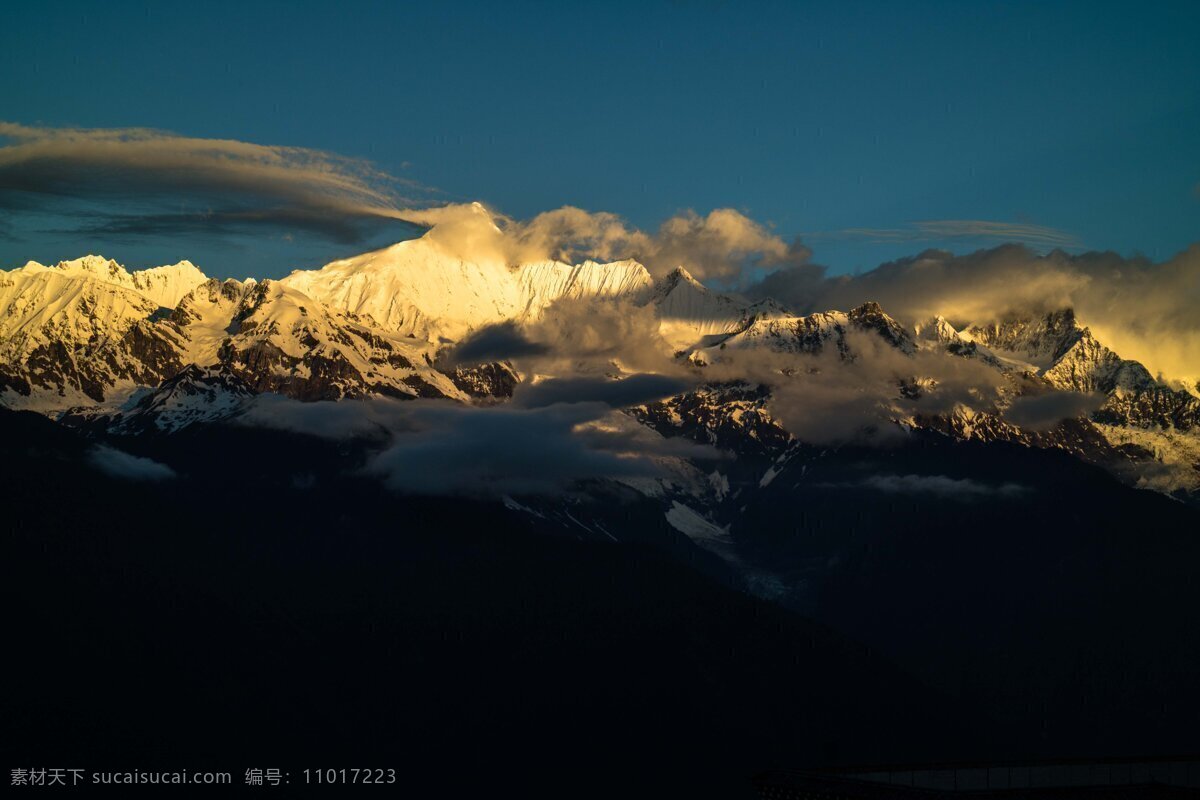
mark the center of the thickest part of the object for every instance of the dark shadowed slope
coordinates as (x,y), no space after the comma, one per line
(226,616)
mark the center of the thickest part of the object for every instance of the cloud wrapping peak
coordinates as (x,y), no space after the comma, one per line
(1143,310)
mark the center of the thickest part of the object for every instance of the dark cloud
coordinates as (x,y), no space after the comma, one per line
(377,417)
(503,341)
(501,450)
(163,184)
(620,433)
(1045,411)
(118,464)
(341,229)
(623,393)
(443,448)
(940,485)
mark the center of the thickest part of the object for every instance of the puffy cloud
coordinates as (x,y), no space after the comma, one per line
(469,231)
(572,234)
(119,464)
(1143,310)
(721,245)
(573,336)
(588,335)
(222,184)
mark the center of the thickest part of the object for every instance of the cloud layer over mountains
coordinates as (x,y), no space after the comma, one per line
(554,434)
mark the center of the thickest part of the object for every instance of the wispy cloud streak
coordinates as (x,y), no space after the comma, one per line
(161,183)
(949,229)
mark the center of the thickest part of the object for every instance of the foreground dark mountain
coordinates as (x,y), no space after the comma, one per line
(255,618)
(455,641)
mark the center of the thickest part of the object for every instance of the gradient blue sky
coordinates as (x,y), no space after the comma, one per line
(815,118)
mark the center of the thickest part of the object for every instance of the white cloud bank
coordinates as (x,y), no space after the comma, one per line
(119,464)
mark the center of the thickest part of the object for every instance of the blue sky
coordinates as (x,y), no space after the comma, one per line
(815,118)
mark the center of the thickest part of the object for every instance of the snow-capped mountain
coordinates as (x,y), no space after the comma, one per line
(166,347)
(73,339)
(783,333)
(416,289)
(1057,348)
(691,314)
(80,330)
(165,285)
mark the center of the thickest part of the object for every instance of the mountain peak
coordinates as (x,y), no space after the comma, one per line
(165,285)
(937,329)
(869,308)
(675,279)
(871,316)
(1041,340)
(99,266)
(680,274)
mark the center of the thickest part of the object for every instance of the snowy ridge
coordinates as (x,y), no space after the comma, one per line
(43,306)
(691,313)
(415,289)
(815,332)
(68,339)
(165,286)
(1040,341)
(543,282)
(193,395)
(1057,349)
(937,329)
(286,342)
